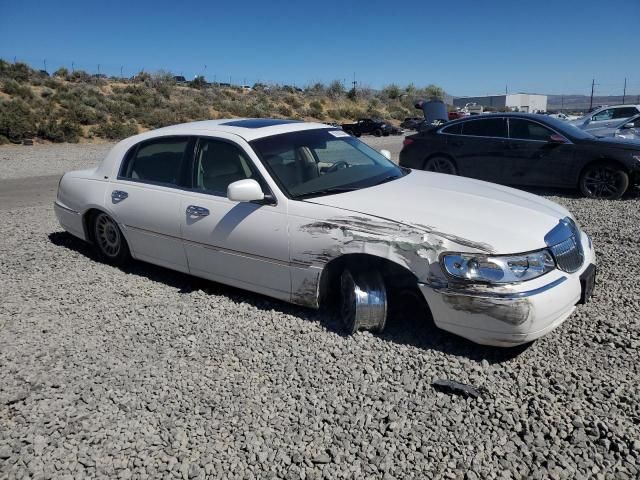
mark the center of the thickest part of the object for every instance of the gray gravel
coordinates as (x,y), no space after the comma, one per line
(149,373)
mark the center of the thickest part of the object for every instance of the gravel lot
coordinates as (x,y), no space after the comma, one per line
(149,373)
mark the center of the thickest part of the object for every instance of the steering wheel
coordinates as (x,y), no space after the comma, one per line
(336,166)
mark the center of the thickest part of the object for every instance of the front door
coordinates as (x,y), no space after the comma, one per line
(532,158)
(145,199)
(242,244)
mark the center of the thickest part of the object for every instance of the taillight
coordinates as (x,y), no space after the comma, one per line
(406,142)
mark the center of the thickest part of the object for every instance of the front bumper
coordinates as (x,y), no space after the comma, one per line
(509,315)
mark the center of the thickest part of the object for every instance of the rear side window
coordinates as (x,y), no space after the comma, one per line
(161,161)
(625,112)
(489,127)
(455,129)
(525,130)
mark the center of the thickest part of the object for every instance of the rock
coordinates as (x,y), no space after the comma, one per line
(456,388)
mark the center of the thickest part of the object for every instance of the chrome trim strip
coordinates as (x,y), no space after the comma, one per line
(498,295)
(508,137)
(215,247)
(67,209)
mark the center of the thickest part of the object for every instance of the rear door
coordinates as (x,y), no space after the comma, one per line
(532,158)
(145,199)
(243,244)
(478,147)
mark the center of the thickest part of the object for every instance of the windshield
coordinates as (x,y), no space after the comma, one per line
(321,162)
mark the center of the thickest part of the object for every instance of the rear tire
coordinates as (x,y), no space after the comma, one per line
(440,165)
(108,240)
(378,132)
(607,181)
(363,300)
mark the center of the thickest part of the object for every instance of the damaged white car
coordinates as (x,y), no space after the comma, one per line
(304,213)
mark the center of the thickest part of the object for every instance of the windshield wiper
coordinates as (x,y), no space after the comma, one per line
(325,191)
(387,179)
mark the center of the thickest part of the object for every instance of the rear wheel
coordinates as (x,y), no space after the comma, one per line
(363,300)
(109,241)
(378,132)
(440,165)
(604,180)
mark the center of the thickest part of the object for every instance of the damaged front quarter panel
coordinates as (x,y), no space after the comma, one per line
(314,243)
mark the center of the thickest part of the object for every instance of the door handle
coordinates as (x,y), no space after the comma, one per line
(195,211)
(118,196)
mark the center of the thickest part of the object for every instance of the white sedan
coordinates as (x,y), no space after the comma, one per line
(303,212)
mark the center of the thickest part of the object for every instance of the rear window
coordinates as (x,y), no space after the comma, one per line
(157,161)
(489,127)
(455,129)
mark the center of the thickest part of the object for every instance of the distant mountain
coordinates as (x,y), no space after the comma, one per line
(581,102)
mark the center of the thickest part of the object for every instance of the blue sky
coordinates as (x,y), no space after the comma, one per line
(469,47)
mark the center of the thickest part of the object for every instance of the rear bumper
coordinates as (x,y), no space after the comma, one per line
(70,220)
(501,317)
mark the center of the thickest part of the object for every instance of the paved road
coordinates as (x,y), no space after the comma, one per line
(41,190)
(28,192)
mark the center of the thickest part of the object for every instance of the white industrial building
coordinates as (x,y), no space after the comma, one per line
(517,102)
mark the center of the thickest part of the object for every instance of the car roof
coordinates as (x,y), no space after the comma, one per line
(247,128)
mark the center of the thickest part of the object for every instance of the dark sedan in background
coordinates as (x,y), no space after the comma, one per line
(527,150)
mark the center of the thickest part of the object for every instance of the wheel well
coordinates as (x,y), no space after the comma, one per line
(87,218)
(604,161)
(445,155)
(394,275)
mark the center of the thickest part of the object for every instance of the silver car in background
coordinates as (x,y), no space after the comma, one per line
(606,117)
(629,129)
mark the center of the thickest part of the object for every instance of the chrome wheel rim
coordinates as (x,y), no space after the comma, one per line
(108,236)
(440,165)
(602,182)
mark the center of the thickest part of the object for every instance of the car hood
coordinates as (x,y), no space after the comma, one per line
(474,214)
(618,143)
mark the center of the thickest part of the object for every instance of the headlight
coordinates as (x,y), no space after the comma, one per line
(498,268)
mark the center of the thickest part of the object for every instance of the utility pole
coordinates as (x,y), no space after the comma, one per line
(45,65)
(593,84)
(98,69)
(354,84)
(72,65)
(506,89)
(624,92)
(121,67)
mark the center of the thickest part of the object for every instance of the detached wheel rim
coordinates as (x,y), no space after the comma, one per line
(440,165)
(603,182)
(108,236)
(364,301)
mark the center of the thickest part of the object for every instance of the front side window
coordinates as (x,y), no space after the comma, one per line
(520,129)
(625,112)
(160,161)
(487,127)
(603,115)
(219,163)
(321,162)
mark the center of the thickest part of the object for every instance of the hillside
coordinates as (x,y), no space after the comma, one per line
(74,106)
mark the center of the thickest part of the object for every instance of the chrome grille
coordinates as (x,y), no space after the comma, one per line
(568,254)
